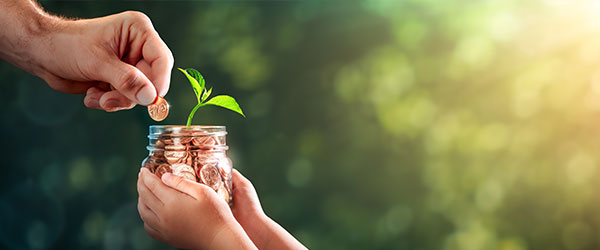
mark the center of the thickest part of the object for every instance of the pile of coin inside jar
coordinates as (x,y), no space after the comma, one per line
(194,154)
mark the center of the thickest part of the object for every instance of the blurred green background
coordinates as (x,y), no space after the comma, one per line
(390,124)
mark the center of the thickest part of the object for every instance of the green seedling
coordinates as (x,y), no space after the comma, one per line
(202,95)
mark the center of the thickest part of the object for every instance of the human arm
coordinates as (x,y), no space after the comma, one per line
(118,61)
(195,219)
(263,231)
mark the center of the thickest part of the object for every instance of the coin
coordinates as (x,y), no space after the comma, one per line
(159,110)
(180,167)
(223,191)
(210,176)
(150,164)
(188,175)
(184,171)
(162,169)
(204,141)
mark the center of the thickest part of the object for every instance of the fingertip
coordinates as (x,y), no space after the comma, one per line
(144,174)
(163,91)
(91,102)
(144,171)
(110,105)
(240,181)
(167,178)
(92,98)
(238,175)
(146,95)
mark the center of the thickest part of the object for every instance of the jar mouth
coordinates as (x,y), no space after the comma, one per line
(182,130)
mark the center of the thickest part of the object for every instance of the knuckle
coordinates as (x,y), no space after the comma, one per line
(129,81)
(138,16)
(203,190)
(88,104)
(178,182)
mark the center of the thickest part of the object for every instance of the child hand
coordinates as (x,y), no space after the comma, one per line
(187,214)
(264,232)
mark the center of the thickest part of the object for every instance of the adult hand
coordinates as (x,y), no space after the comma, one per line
(122,50)
(117,61)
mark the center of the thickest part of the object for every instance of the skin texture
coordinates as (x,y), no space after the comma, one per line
(117,61)
(195,219)
(208,222)
(263,231)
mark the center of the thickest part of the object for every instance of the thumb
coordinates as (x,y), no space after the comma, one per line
(240,181)
(244,192)
(129,81)
(183,185)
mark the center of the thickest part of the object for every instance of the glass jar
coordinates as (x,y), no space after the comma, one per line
(196,153)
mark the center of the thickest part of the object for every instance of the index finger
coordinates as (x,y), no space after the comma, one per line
(157,62)
(155,185)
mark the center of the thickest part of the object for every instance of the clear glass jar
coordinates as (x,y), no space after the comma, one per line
(197,153)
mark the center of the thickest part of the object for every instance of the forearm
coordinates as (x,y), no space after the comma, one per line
(24,24)
(267,234)
(232,237)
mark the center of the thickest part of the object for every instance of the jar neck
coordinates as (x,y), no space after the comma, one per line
(193,138)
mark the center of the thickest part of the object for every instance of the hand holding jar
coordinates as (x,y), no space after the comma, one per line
(190,215)
(187,214)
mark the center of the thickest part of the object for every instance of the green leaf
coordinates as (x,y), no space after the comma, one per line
(227,102)
(196,75)
(206,94)
(195,85)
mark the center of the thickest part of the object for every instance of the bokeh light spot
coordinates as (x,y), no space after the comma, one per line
(299,172)
(81,173)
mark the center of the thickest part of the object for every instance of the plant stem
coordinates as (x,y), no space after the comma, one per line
(189,121)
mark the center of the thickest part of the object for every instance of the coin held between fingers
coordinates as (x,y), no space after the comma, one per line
(159,110)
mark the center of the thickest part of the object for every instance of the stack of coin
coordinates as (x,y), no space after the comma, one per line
(196,157)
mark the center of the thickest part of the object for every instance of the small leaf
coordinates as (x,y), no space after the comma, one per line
(196,75)
(227,102)
(195,85)
(206,94)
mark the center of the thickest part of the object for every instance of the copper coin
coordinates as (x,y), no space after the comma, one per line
(150,164)
(188,176)
(180,167)
(184,171)
(204,141)
(224,192)
(162,169)
(159,110)
(210,176)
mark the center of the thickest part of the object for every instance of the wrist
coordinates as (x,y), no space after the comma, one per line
(257,226)
(231,236)
(24,26)
(38,42)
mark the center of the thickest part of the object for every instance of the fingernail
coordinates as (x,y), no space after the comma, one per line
(93,102)
(111,104)
(146,95)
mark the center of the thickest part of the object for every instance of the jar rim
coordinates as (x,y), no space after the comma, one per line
(192,127)
(178,129)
